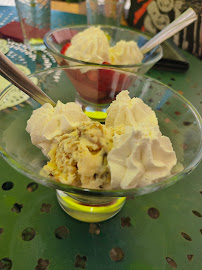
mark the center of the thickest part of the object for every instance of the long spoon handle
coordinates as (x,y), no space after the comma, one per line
(14,75)
(186,18)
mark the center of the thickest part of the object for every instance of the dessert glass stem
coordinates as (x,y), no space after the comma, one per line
(94,111)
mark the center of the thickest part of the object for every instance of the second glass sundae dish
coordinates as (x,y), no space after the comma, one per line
(142,146)
(100,46)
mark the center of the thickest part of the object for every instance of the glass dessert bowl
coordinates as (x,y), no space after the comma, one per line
(95,205)
(95,49)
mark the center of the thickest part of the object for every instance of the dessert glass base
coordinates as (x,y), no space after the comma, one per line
(89,209)
(35,44)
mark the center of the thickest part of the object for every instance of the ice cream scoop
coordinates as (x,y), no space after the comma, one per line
(79,157)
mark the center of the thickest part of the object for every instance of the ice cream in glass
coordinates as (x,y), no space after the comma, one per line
(102,46)
(128,151)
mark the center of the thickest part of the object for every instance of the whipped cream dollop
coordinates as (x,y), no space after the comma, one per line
(125,53)
(130,112)
(142,155)
(90,45)
(138,159)
(48,122)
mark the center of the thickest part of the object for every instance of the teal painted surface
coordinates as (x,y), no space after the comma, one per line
(145,243)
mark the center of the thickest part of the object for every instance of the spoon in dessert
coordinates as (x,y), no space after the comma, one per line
(14,75)
(186,18)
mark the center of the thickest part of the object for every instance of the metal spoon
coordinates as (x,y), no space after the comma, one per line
(14,75)
(186,18)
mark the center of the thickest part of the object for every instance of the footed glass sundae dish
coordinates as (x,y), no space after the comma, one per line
(104,46)
(142,146)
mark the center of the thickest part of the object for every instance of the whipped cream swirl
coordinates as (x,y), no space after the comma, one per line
(90,45)
(48,122)
(125,53)
(142,155)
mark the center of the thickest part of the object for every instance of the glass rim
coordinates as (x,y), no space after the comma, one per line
(112,192)
(49,47)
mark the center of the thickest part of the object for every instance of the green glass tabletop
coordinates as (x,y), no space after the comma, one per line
(162,230)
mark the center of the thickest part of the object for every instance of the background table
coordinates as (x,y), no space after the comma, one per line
(162,230)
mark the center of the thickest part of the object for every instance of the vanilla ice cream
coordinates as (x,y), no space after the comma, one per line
(92,45)
(129,151)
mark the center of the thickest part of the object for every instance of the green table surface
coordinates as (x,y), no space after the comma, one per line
(158,231)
